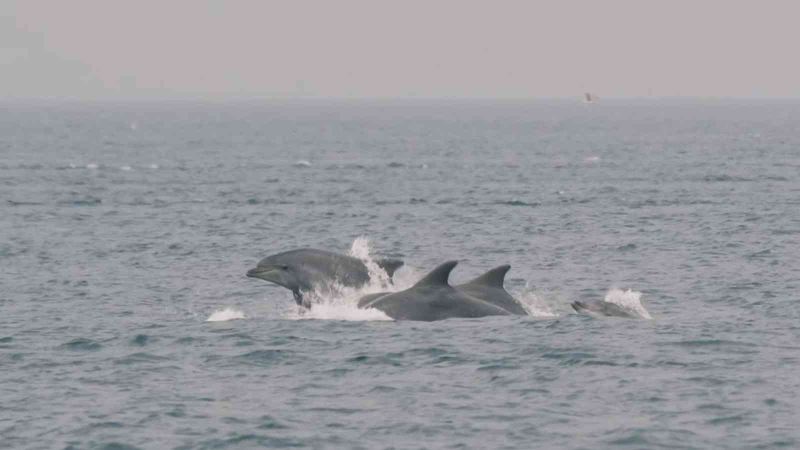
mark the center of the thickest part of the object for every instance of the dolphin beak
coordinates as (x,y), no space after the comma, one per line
(265,273)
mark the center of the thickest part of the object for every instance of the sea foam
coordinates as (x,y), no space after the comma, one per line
(223,315)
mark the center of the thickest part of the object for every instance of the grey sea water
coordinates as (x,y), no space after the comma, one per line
(125,226)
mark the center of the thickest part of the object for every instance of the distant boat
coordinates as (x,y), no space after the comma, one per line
(588,97)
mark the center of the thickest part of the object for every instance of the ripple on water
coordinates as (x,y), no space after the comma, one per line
(140,358)
(140,340)
(264,358)
(112,446)
(86,201)
(379,360)
(569,358)
(383,389)
(270,423)
(516,202)
(244,441)
(722,344)
(498,366)
(82,345)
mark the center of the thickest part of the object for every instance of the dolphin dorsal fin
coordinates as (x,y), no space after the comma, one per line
(438,276)
(492,278)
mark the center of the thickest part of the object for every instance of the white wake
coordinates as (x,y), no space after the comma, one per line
(629,300)
(537,304)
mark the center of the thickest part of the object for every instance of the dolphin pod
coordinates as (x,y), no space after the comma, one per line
(432,298)
(309,270)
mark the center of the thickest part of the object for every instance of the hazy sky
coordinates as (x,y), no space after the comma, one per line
(403,48)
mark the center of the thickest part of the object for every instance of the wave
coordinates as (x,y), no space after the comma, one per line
(337,309)
(516,202)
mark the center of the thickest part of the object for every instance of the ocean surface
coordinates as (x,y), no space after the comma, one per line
(126,229)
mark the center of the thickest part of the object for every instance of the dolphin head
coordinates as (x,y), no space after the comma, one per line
(280,270)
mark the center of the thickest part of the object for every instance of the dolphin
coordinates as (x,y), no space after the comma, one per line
(305,270)
(432,298)
(487,287)
(603,309)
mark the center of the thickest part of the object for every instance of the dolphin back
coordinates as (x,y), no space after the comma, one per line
(432,298)
(489,288)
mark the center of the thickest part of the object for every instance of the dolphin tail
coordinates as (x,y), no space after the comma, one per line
(389,265)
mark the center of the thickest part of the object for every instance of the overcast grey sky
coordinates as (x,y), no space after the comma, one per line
(408,48)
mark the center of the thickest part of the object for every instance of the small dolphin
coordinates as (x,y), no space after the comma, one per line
(432,298)
(306,270)
(603,309)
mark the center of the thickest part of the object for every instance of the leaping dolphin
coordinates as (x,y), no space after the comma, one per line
(306,270)
(432,298)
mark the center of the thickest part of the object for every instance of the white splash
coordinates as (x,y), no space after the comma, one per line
(223,315)
(536,304)
(302,163)
(405,277)
(154,166)
(360,248)
(125,168)
(337,309)
(591,159)
(628,299)
(379,280)
(92,166)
